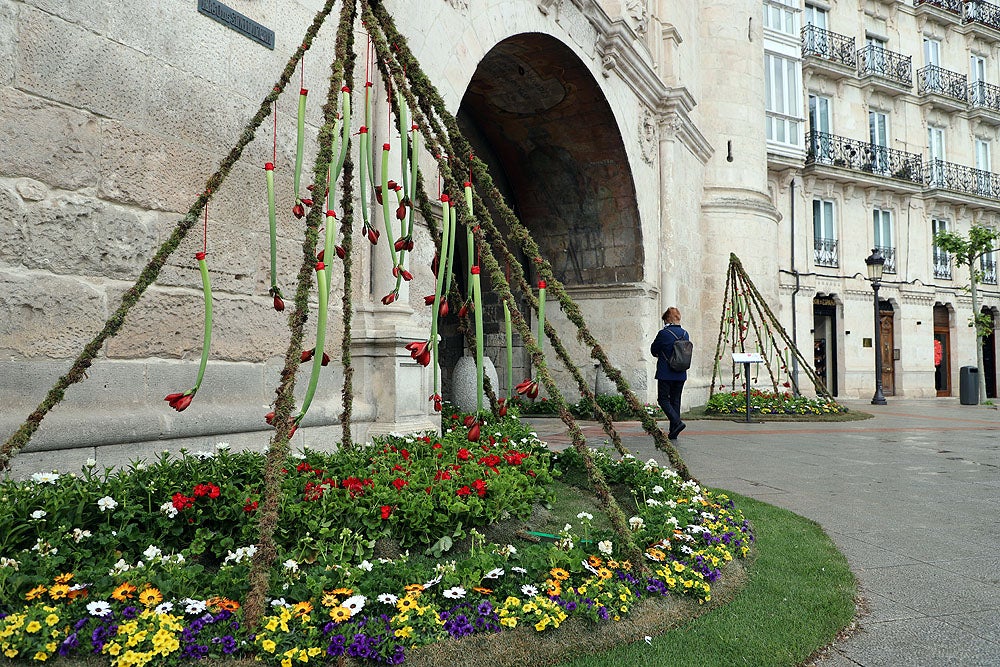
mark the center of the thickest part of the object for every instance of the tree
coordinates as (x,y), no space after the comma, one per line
(981,241)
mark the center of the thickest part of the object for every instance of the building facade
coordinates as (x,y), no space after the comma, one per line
(883,119)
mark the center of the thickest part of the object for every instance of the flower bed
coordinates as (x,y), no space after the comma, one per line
(768,402)
(381,550)
(614,405)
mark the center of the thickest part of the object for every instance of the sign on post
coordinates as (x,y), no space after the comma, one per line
(747,358)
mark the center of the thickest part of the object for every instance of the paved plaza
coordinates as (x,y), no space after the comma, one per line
(911,497)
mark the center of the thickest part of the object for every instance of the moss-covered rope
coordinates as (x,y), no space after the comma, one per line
(264,558)
(347,299)
(77,372)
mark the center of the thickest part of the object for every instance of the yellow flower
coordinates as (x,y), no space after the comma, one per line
(64,578)
(542,624)
(404,632)
(604,573)
(33,627)
(51,620)
(509,622)
(302,608)
(35,593)
(123,592)
(314,651)
(268,645)
(406,604)
(41,657)
(114,648)
(303,655)
(330,600)
(59,591)
(348,591)
(559,574)
(594,561)
(286,662)
(413,588)
(271,625)
(678,566)
(10,653)
(340,614)
(150,597)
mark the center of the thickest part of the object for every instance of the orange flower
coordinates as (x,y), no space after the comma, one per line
(78,593)
(150,597)
(35,593)
(482,590)
(554,587)
(64,578)
(559,574)
(123,592)
(342,591)
(302,608)
(594,561)
(411,588)
(59,591)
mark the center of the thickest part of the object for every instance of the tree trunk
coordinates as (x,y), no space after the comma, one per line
(979,335)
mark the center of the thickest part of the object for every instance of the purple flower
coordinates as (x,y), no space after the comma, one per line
(602,613)
(79,624)
(68,644)
(485,608)
(336,647)
(130,613)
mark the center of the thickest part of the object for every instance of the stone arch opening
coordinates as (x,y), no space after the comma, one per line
(535,114)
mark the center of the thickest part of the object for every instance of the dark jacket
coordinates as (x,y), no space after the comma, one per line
(663,346)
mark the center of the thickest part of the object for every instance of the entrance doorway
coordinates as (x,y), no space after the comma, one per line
(886,333)
(990,357)
(825,341)
(942,351)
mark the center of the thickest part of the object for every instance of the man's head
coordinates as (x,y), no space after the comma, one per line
(671,316)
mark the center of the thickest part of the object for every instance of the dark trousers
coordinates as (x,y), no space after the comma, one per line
(668,395)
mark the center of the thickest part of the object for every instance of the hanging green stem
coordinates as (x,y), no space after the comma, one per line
(510,350)
(439,287)
(273,229)
(477,297)
(541,314)
(300,138)
(328,242)
(323,293)
(363,175)
(385,208)
(404,152)
(450,221)
(345,134)
(206,289)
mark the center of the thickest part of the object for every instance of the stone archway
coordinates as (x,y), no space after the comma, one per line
(537,116)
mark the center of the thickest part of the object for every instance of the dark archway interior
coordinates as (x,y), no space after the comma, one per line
(537,117)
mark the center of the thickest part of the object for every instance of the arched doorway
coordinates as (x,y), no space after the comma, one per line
(539,119)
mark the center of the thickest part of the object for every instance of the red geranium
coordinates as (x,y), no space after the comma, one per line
(386,511)
(464,491)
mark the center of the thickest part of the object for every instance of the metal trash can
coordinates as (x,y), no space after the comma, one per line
(968,385)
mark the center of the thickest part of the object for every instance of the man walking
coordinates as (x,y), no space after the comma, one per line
(670,376)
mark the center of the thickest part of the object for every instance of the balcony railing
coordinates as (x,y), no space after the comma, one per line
(985,95)
(877,61)
(953,6)
(934,79)
(942,264)
(829,149)
(828,46)
(890,258)
(988,267)
(825,252)
(979,11)
(959,178)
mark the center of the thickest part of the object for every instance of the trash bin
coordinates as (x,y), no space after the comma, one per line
(968,385)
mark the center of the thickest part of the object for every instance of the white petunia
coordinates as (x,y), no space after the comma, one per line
(454,593)
(636,523)
(355,603)
(99,608)
(529,590)
(38,514)
(388,598)
(605,547)
(365,565)
(45,478)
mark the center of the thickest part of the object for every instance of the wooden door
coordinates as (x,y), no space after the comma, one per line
(888,364)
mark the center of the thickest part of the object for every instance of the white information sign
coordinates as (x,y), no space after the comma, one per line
(748,358)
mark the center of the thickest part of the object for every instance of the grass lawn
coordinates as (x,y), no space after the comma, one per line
(800,594)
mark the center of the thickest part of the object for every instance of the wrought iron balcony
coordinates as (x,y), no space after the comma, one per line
(942,264)
(988,268)
(890,258)
(829,149)
(985,13)
(873,60)
(825,252)
(985,95)
(939,81)
(959,178)
(953,6)
(828,46)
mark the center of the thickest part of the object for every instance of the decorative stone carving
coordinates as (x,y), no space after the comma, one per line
(460,5)
(546,6)
(636,15)
(648,139)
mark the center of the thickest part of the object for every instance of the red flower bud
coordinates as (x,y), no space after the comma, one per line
(464,310)
(502,407)
(307,355)
(443,310)
(341,253)
(179,401)
(298,211)
(373,235)
(429,299)
(307,202)
(400,243)
(527,388)
(378,194)
(407,276)
(395,271)
(388,298)
(269,417)
(326,360)
(434,264)
(474,269)
(279,305)
(474,433)
(392,184)
(409,243)
(469,420)
(401,212)
(321,255)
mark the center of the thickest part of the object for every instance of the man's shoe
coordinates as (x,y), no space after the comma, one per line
(674,432)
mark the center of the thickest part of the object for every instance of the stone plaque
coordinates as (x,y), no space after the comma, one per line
(233,19)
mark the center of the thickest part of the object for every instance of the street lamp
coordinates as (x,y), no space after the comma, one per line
(876,263)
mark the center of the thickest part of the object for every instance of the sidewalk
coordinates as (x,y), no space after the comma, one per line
(911,497)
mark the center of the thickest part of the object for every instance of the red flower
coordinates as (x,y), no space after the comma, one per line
(181,502)
(373,235)
(464,491)
(303,467)
(202,490)
(307,202)
(474,433)
(269,417)
(341,253)
(469,420)
(443,310)
(388,298)
(179,401)
(250,506)
(429,299)
(464,310)
(399,483)
(502,407)
(407,276)
(401,212)
(437,402)
(298,211)
(307,355)
(386,511)
(527,388)
(480,487)
(463,454)
(420,351)
(441,475)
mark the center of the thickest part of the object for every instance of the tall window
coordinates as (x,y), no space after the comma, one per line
(819,126)
(876,55)
(878,134)
(781,16)
(984,175)
(977,77)
(988,267)
(941,259)
(935,151)
(882,227)
(932,57)
(824,233)
(783,88)
(816,16)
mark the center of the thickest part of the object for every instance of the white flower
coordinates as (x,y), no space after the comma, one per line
(240,554)
(365,565)
(8,562)
(636,523)
(585,515)
(355,603)
(202,455)
(169,509)
(119,567)
(222,446)
(433,582)
(107,503)
(388,598)
(567,528)
(511,550)
(564,543)
(454,593)
(152,552)
(653,502)
(99,608)
(529,590)
(291,565)
(279,602)
(193,606)
(38,514)
(164,608)
(80,535)
(494,573)
(45,478)
(519,570)
(605,547)
(657,489)
(91,463)
(651,464)
(590,568)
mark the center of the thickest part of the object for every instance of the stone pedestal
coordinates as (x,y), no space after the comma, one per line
(464,382)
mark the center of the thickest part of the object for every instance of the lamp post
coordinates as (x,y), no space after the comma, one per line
(876,263)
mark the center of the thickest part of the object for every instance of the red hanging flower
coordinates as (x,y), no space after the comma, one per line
(179,402)
(407,276)
(269,417)
(341,253)
(474,433)
(401,212)
(501,407)
(389,298)
(298,211)
(429,299)
(464,310)
(437,402)
(420,351)
(443,309)
(469,420)
(527,388)
(372,234)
